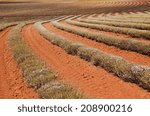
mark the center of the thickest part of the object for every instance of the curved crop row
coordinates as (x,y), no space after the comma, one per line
(136,14)
(140,18)
(36,73)
(3,26)
(116,24)
(113,3)
(123,43)
(117,65)
(120,20)
(122,30)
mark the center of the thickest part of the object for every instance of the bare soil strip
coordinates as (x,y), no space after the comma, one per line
(93,81)
(12,84)
(128,55)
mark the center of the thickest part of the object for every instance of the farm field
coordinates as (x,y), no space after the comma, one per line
(75,49)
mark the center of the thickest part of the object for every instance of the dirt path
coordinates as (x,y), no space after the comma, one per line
(128,55)
(93,81)
(12,84)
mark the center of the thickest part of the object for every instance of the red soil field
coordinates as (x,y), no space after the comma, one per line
(108,33)
(12,83)
(93,81)
(132,56)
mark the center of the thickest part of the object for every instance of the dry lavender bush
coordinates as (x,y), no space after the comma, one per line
(122,68)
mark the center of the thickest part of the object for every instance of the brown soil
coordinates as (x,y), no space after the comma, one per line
(12,84)
(24,11)
(93,81)
(117,3)
(128,55)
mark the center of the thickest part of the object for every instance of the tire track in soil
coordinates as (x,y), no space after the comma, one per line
(12,84)
(128,55)
(93,81)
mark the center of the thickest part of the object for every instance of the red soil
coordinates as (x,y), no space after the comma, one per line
(109,33)
(93,81)
(12,84)
(128,55)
